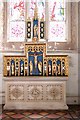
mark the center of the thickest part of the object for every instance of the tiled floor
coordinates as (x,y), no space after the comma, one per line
(73,113)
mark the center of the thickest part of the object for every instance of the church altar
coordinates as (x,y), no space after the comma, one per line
(35,80)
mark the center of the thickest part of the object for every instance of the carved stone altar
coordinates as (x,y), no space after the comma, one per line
(35,93)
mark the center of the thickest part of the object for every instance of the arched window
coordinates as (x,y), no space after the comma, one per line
(55,13)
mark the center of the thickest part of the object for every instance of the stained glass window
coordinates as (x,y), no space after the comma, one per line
(40,6)
(55,16)
(57,20)
(31,7)
(16,20)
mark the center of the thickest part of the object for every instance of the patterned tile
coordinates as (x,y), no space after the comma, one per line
(45,119)
(73,113)
(7,118)
(27,113)
(10,113)
(36,116)
(67,116)
(61,113)
(62,118)
(26,119)
(2,116)
(53,116)
(19,116)
(43,113)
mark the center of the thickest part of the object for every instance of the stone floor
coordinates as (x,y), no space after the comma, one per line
(73,113)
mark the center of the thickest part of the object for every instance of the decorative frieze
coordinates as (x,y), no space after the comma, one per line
(30,92)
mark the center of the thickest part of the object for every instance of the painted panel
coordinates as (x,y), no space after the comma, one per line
(35,63)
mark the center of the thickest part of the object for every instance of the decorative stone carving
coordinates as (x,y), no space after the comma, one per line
(35,92)
(24,93)
(16,92)
(54,92)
